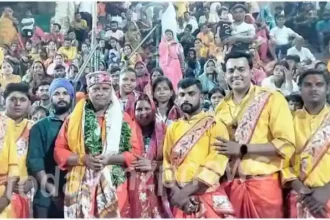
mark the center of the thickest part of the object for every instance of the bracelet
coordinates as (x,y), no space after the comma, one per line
(243,150)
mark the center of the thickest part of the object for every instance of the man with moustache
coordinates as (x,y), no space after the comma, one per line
(191,166)
(312,127)
(261,142)
(96,143)
(43,95)
(48,200)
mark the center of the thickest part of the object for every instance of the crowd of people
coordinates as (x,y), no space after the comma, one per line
(220,112)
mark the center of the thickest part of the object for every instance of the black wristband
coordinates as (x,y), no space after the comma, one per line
(244,149)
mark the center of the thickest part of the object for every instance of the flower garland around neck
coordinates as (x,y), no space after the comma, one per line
(93,141)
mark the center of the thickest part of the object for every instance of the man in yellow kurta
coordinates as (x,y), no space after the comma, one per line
(192,167)
(312,161)
(17,107)
(261,142)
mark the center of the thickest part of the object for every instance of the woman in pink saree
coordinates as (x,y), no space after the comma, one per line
(148,198)
(171,58)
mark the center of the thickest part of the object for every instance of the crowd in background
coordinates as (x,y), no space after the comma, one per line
(147,49)
(199,35)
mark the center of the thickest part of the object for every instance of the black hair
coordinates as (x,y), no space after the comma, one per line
(43,83)
(142,97)
(190,81)
(114,22)
(59,67)
(158,70)
(168,30)
(58,25)
(77,13)
(318,63)
(159,80)
(129,69)
(114,69)
(282,63)
(313,72)
(237,55)
(239,6)
(17,87)
(295,98)
(295,58)
(189,26)
(215,90)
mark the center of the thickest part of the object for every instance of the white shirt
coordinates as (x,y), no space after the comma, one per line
(118,34)
(281,35)
(86,6)
(243,29)
(192,21)
(269,84)
(25,21)
(304,53)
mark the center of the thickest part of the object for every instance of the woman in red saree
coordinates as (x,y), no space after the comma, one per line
(148,199)
(171,58)
(164,97)
(127,93)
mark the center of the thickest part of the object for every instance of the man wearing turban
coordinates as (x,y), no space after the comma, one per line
(48,200)
(95,145)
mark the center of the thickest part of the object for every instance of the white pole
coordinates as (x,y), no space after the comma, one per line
(94,23)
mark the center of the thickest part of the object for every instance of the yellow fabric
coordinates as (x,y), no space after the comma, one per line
(8,33)
(14,79)
(275,125)
(70,53)
(305,126)
(2,56)
(76,145)
(182,8)
(80,25)
(8,158)
(202,162)
(202,52)
(18,132)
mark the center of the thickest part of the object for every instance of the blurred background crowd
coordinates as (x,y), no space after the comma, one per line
(43,41)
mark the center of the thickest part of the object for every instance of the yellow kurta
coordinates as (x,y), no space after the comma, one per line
(8,158)
(275,126)
(70,53)
(202,162)
(22,146)
(305,126)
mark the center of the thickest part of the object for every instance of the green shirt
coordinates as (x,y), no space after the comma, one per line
(40,155)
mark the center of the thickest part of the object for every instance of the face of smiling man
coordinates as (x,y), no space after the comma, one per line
(238,74)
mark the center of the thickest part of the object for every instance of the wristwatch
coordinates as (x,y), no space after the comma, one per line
(244,149)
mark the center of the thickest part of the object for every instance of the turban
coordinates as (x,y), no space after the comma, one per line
(61,83)
(98,77)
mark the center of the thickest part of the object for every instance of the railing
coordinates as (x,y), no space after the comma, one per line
(83,66)
(91,54)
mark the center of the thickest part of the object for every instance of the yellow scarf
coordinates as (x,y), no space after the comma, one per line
(8,158)
(76,145)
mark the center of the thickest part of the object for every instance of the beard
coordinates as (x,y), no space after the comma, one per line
(59,110)
(189,108)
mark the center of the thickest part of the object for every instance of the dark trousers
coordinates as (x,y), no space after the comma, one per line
(47,212)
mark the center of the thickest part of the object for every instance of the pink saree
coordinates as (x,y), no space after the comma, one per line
(169,60)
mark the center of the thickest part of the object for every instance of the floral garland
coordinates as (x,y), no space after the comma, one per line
(93,142)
